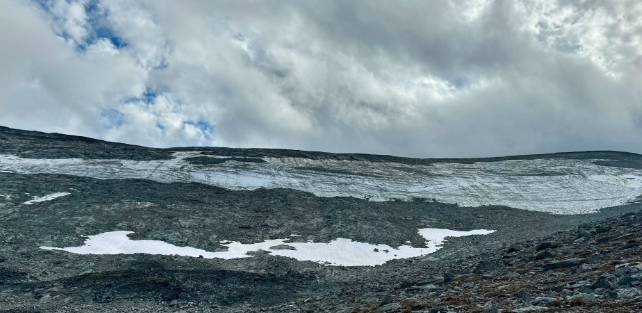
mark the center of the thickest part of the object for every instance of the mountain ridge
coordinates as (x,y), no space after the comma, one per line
(165,153)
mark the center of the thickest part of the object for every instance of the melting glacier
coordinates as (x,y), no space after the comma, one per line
(561,186)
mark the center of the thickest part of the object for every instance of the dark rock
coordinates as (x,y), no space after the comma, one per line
(605,239)
(385,300)
(602,229)
(622,271)
(547,245)
(487,266)
(282,247)
(448,277)
(601,282)
(583,234)
(546,254)
(406,284)
(564,264)
(626,280)
(557,288)
(390,306)
(631,245)
(103,297)
(523,295)
(515,248)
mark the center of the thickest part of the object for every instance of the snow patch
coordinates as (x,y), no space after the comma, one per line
(47,197)
(339,252)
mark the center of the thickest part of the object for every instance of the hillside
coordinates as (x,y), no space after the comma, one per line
(93,226)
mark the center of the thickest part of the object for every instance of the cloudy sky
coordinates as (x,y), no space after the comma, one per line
(412,78)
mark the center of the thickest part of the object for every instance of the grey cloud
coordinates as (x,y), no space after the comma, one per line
(412,78)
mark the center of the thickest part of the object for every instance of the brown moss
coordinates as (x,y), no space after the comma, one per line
(577,302)
(556,303)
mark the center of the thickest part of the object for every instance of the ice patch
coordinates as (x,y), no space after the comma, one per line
(47,197)
(558,186)
(339,252)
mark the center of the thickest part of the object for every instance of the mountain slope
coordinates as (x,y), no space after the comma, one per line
(57,190)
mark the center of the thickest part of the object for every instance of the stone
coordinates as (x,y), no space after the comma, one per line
(564,264)
(601,282)
(515,248)
(626,280)
(631,245)
(282,247)
(588,296)
(546,254)
(45,299)
(389,307)
(512,275)
(531,309)
(523,295)
(487,266)
(628,293)
(547,245)
(583,234)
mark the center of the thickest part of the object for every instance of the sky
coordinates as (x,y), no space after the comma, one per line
(409,78)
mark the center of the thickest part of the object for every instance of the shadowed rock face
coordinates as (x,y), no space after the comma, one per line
(55,190)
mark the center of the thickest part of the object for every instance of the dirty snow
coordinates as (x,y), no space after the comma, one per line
(47,197)
(558,186)
(339,252)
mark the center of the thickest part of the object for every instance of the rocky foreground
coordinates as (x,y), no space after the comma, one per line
(595,268)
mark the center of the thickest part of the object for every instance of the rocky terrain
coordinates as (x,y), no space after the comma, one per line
(574,251)
(594,268)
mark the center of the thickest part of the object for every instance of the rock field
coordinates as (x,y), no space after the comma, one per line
(584,257)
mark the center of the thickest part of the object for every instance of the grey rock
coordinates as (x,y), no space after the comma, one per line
(626,280)
(547,245)
(583,234)
(628,293)
(390,307)
(45,299)
(564,264)
(531,309)
(587,296)
(514,248)
(622,271)
(282,247)
(523,295)
(601,282)
(546,254)
(512,275)
(487,266)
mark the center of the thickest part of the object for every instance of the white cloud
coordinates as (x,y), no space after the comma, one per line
(414,78)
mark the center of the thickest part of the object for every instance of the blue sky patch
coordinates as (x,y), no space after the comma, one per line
(112,118)
(459,82)
(98,26)
(148,96)
(206,128)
